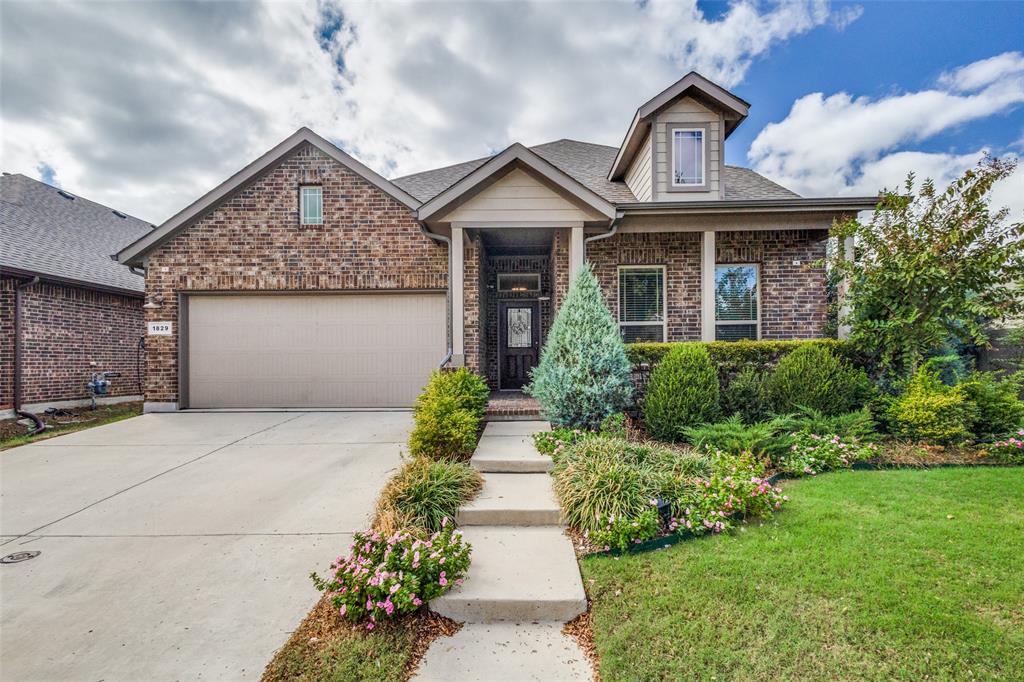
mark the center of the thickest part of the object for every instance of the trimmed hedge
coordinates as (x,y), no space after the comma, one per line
(732,356)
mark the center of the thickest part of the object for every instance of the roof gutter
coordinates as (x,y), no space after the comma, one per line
(612,229)
(80,283)
(448,292)
(795,205)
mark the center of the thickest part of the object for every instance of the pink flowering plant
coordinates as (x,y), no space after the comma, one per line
(811,454)
(735,490)
(385,577)
(553,443)
(623,532)
(1009,450)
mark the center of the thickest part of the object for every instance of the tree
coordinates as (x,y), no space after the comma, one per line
(931,267)
(584,374)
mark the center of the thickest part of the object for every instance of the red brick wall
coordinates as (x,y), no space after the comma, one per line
(472,303)
(511,264)
(793,296)
(559,267)
(65,329)
(253,242)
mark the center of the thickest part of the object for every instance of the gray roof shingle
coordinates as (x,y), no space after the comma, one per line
(43,232)
(589,164)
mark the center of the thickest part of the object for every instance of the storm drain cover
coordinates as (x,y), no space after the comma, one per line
(18,557)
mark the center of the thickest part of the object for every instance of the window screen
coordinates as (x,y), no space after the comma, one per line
(642,303)
(736,302)
(311,205)
(688,157)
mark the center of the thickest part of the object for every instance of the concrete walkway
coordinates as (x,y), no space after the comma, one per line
(523,582)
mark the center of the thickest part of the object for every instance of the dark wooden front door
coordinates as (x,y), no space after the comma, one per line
(518,341)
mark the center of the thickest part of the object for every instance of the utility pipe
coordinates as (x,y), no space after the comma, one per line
(38,423)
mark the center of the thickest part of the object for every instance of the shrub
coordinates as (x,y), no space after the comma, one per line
(1008,450)
(443,430)
(468,390)
(734,356)
(598,479)
(736,489)
(931,411)
(999,408)
(424,493)
(858,425)
(614,426)
(385,577)
(623,531)
(552,443)
(583,375)
(812,376)
(764,440)
(682,392)
(812,454)
(745,396)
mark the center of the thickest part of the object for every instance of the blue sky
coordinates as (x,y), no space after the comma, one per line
(145,106)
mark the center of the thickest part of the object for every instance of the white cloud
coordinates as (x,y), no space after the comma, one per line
(841,144)
(145,106)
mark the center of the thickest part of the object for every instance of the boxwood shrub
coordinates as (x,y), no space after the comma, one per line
(733,356)
(812,376)
(448,415)
(683,392)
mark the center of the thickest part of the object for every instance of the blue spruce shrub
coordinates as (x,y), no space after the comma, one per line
(584,374)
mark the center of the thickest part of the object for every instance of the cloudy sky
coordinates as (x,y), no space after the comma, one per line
(144,106)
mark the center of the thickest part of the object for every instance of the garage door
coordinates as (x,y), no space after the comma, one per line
(328,350)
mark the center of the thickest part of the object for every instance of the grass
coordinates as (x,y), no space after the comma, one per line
(13,434)
(908,574)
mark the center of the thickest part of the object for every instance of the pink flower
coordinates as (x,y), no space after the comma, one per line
(370,626)
(343,609)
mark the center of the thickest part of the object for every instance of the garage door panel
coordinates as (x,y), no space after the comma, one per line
(332,350)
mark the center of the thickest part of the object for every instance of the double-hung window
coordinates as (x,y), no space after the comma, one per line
(736,303)
(311,205)
(688,160)
(642,303)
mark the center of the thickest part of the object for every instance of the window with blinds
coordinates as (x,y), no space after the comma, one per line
(736,303)
(642,303)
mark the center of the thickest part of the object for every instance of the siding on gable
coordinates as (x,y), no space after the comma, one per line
(687,110)
(638,177)
(518,197)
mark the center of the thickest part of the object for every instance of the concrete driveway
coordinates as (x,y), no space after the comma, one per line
(178,546)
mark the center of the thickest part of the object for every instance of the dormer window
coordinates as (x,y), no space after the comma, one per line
(688,158)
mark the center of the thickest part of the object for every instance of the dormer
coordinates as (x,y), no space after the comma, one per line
(675,147)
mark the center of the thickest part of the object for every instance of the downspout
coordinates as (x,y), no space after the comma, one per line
(613,228)
(38,423)
(448,293)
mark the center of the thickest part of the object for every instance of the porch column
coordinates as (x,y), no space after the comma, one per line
(844,289)
(458,298)
(707,287)
(575,252)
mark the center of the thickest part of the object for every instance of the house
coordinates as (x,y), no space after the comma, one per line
(308,280)
(68,309)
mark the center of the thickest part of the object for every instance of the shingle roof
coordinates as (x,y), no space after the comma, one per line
(588,163)
(43,232)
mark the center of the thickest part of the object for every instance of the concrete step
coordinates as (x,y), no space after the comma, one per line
(516,428)
(509,454)
(512,500)
(516,574)
(504,652)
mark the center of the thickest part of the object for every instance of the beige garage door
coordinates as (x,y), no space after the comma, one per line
(327,350)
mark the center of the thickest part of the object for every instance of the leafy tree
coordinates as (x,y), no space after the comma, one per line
(932,266)
(583,375)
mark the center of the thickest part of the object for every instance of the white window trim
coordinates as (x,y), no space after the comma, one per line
(703,157)
(302,205)
(664,299)
(757,297)
(518,274)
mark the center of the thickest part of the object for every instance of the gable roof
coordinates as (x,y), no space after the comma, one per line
(61,236)
(516,155)
(133,253)
(693,85)
(588,164)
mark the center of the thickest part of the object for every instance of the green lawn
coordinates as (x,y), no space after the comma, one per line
(12,433)
(863,576)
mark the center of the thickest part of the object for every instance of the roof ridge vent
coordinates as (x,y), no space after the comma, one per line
(66,195)
(120,215)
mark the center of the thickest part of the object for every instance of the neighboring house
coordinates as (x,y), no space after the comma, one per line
(685,248)
(83,314)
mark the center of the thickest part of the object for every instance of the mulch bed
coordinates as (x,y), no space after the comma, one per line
(581,630)
(11,428)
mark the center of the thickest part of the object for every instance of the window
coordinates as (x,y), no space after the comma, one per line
(518,283)
(642,303)
(311,205)
(687,157)
(736,303)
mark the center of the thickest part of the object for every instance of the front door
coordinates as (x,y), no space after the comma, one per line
(518,341)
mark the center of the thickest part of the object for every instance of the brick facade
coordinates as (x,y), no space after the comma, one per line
(68,333)
(253,241)
(793,292)
(473,303)
(512,264)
